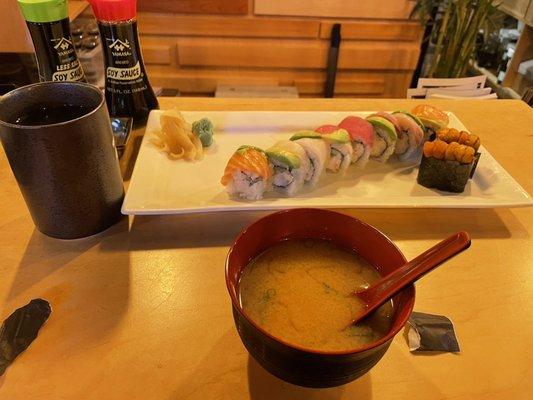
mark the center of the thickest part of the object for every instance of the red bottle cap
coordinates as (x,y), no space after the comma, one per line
(114,10)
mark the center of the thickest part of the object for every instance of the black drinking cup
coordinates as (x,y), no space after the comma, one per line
(67,170)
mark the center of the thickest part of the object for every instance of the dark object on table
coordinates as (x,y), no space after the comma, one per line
(58,140)
(49,27)
(121,131)
(295,364)
(428,332)
(127,88)
(20,329)
(333,57)
(450,176)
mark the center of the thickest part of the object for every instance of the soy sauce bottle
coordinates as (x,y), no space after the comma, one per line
(127,89)
(48,23)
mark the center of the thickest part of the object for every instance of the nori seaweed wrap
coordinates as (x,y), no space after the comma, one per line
(450,176)
(446,166)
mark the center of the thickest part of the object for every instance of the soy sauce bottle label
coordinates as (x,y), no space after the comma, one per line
(67,66)
(124,71)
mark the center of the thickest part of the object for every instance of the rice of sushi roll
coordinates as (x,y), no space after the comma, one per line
(317,151)
(410,136)
(341,149)
(247,174)
(362,138)
(290,166)
(446,166)
(385,138)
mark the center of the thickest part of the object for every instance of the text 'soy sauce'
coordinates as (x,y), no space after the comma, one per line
(127,89)
(48,23)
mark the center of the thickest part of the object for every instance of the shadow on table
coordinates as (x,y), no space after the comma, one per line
(149,232)
(264,386)
(220,229)
(415,224)
(89,285)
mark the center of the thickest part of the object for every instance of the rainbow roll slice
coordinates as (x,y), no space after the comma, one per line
(432,118)
(341,150)
(317,151)
(362,138)
(290,166)
(385,138)
(247,174)
(410,136)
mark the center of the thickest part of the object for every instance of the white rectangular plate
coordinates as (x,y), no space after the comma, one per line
(163,186)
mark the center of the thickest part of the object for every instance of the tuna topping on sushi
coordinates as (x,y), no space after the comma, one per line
(247,174)
(362,138)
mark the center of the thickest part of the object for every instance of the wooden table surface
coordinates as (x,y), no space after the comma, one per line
(141,310)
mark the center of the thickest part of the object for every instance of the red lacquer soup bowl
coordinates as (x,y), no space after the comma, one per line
(295,364)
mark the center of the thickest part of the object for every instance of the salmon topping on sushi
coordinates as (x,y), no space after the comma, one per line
(250,159)
(449,151)
(449,135)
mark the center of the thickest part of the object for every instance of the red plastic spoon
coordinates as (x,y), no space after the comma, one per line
(388,286)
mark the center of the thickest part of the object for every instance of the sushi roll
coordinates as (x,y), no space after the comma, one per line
(385,138)
(410,137)
(290,165)
(432,118)
(341,150)
(362,138)
(389,117)
(247,174)
(446,166)
(317,151)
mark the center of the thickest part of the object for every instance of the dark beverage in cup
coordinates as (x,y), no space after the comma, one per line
(59,144)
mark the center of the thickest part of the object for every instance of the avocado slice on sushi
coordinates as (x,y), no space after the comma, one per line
(338,136)
(306,135)
(385,139)
(284,157)
(414,117)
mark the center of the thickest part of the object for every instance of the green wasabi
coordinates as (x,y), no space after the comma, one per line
(204,130)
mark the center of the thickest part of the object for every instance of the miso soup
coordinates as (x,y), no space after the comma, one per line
(301,291)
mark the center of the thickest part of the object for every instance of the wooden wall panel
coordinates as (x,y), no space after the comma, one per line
(239,7)
(384,9)
(156,54)
(295,54)
(309,83)
(164,24)
(375,30)
(343,85)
